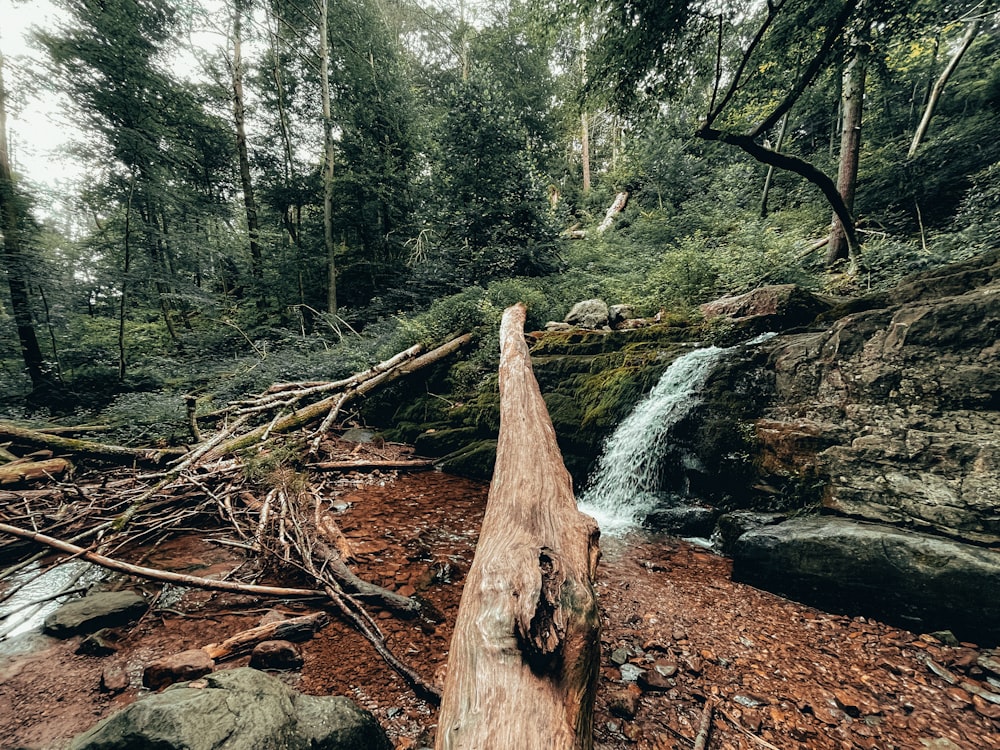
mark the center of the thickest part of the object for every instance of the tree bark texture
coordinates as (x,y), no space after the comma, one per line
(841,244)
(524,656)
(328,154)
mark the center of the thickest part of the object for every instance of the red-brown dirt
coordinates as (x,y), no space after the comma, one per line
(777,672)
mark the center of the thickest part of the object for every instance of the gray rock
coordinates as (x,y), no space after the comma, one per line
(618,314)
(683,520)
(591,313)
(554,325)
(104,609)
(236,710)
(731,526)
(916,580)
(358,435)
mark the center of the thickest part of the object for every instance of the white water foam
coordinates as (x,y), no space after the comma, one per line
(621,490)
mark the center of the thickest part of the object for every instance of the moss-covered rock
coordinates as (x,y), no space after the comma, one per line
(474,461)
(441,442)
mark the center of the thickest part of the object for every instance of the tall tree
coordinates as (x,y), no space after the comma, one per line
(15,254)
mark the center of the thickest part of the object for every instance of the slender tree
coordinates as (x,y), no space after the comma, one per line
(15,255)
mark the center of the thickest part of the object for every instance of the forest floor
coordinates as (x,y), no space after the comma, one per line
(778,674)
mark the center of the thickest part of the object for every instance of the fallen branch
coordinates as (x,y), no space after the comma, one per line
(155,574)
(294,629)
(29,471)
(705,727)
(747,733)
(116,453)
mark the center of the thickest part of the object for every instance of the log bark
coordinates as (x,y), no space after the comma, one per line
(293,629)
(115,453)
(523,663)
(15,472)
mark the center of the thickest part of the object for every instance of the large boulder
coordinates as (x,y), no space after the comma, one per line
(102,609)
(591,313)
(770,308)
(236,710)
(916,580)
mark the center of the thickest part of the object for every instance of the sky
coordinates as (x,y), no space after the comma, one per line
(38,132)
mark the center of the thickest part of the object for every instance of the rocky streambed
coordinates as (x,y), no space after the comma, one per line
(676,633)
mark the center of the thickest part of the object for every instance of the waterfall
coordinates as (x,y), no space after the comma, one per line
(621,490)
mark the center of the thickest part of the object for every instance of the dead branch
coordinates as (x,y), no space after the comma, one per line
(87,448)
(705,726)
(293,629)
(155,574)
(17,471)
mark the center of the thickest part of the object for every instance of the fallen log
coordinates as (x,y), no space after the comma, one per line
(87,448)
(524,658)
(316,410)
(153,573)
(293,629)
(16,472)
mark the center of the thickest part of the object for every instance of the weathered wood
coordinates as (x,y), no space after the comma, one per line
(523,664)
(18,471)
(72,446)
(153,573)
(293,629)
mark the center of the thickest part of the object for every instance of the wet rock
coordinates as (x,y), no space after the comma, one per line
(436,443)
(731,526)
(630,672)
(591,313)
(619,656)
(913,579)
(235,710)
(275,655)
(103,609)
(652,681)
(187,665)
(474,461)
(684,520)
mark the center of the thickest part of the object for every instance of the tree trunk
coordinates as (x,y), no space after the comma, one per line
(239,116)
(524,656)
(765,193)
(918,136)
(842,245)
(328,153)
(14,257)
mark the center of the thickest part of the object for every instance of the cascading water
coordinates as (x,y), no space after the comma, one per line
(621,490)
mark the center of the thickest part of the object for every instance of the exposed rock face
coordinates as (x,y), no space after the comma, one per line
(235,710)
(103,609)
(770,308)
(917,580)
(591,313)
(889,414)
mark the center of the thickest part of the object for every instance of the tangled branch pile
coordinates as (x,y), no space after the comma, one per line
(268,475)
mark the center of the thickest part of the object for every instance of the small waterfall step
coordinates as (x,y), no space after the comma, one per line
(624,487)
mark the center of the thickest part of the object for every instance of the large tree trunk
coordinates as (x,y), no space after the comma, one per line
(14,258)
(239,117)
(925,121)
(841,244)
(524,660)
(328,153)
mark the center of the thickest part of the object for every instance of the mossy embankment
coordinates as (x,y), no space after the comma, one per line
(590,381)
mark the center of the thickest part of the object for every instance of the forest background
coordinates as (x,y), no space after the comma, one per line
(327,183)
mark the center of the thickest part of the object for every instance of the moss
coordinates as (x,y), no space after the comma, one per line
(475,461)
(442,442)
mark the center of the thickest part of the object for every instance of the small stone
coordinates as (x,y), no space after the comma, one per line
(630,672)
(95,611)
(654,682)
(275,655)
(187,665)
(619,656)
(100,643)
(945,636)
(679,633)
(114,679)
(665,668)
(271,616)
(406,590)
(624,703)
